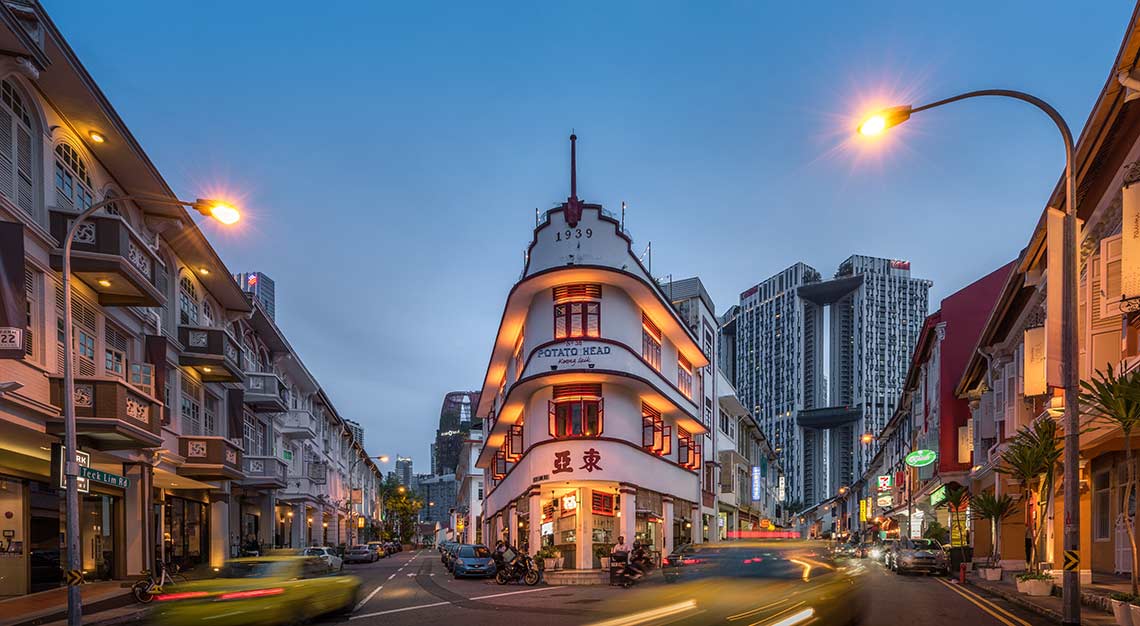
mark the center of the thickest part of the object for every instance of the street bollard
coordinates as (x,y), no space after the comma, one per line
(962,573)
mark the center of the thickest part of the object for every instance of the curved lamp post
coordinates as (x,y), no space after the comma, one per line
(220,211)
(878,123)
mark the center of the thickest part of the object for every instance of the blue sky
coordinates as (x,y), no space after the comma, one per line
(390,156)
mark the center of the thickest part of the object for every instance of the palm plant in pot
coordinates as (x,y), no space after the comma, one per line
(1031,459)
(1122,608)
(995,509)
(1113,399)
(957,501)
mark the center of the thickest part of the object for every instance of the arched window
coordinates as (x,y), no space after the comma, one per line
(72,184)
(187,301)
(16,148)
(208,316)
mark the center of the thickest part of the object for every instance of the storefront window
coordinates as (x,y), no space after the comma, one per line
(185,532)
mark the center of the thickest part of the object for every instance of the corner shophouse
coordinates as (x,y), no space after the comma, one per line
(1014,378)
(592,427)
(172,360)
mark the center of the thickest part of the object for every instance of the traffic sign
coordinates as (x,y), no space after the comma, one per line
(1072,560)
(73,577)
(106,478)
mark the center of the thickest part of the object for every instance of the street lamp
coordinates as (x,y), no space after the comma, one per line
(220,211)
(879,122)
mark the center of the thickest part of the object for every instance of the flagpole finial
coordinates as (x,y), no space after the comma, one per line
(573,165)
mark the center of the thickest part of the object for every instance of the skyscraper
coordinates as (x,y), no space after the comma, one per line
(356,429)
(454,424)
(822,361)
(404,470)
(261,286)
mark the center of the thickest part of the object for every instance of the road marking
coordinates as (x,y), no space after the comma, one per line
(512,593)
(407,608)
(1000,616)
(650,615)
(365,600)
(756,610)
(391,577)
(996,607)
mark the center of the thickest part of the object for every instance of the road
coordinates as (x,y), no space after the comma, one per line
(413,588)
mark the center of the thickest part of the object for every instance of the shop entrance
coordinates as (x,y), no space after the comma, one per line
(185,532)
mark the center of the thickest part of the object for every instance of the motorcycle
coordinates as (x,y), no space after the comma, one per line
(523,568)
(623,574)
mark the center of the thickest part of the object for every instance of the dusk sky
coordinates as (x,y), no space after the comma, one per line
(389,157)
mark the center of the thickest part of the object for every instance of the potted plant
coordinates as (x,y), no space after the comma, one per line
(1031,459)
(1122,608)
(957,500)
(995,509)
(1113,399)
(602,551)
(1133,610)
(549,557)
(1035,584)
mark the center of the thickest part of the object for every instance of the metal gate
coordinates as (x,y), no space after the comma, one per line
(1122,549)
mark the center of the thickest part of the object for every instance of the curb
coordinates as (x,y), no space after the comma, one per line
(1019,600)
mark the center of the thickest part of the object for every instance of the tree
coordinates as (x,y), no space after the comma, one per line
(401,510)
(957,499)
(995,509)
(1113,399)
(1031,459)
(935,530)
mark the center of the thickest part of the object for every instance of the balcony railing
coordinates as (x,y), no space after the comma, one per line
(211,351)
(265,393)
(111,259)
(264,471)
(111,413)
(299,424)
(210,458)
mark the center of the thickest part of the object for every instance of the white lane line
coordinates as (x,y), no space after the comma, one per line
(407,608)
(391,577)
(512,593)
(365,600)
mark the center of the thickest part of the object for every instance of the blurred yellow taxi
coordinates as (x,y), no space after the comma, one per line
(260,591)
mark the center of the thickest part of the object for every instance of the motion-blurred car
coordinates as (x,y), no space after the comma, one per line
(919,555)
(473,560)
(259,591)
(333,562)
(886,550)
(379,548)
(360,554)
(789,581)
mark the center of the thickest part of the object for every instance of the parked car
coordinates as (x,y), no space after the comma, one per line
(333,562)
(379,548)
(449,555)
(360,554)
(260,591)
(473,560)
(919,555)
(885,550)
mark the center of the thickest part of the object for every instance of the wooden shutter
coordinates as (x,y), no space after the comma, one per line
(581,390)
(1110,275)
(566,293)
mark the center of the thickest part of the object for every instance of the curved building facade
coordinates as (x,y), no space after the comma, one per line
(592,427)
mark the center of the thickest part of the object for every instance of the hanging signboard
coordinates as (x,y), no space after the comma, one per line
(886,483)
(1130,238)
(862,510)
(885,500)
(938,496)
(921,458)
(757,481)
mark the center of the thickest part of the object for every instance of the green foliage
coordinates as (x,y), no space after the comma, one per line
(987,506)
(401,511)
(547,552)
(1033,576)
(1031,458)
(602,550)
(1122,597)
(937,531)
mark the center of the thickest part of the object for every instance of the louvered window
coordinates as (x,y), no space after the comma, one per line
(31,279)
(518,357)
(72,182)
(187,301)
(85,318)
(685,376)
(1111,285)
(515,443)
(566,293)
(650,343)
(191,406)
(115,351)
(16,148)
(576,411)
(652,430)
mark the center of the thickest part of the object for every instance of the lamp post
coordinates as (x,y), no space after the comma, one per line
(881,121)
(220,211)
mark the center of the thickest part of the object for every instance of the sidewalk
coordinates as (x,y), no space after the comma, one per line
(104,603)
(1049,606)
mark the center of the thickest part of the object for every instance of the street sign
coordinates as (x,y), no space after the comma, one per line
(1072,560)
(105,477)
(921,458)
(59,469)
(73,577)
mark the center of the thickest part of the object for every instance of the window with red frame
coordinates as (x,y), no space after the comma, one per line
(685,452)
(514,445)
(518,357)
(602,503)
(650,342)
(685,376)
(652,428)
(577,311)
(576,411)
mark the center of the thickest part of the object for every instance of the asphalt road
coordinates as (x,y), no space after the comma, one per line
(413,588)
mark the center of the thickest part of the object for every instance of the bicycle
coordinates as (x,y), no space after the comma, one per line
(145,590)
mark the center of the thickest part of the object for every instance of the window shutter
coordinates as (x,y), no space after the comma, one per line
(592,319)
(7,153)
(1111,286)
(588,390)
(566,293)
(24,195)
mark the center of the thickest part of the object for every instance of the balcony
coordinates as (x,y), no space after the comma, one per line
(265,393)
(210,458)
(111,259)
(264,472)
(211,351)
(110,413)
(298,424)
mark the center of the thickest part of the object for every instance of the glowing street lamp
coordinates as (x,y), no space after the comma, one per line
(882,120)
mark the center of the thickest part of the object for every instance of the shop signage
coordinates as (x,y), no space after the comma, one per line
(104,477)
(757,479)
(591,460)
(957,533)
(938,496)
(885,500)
(569,504)
(13,299)
(916,525)
(862,511)
(886,483)
(1130,240)
(921,458)
(575,353)
(59,472)
(780,490)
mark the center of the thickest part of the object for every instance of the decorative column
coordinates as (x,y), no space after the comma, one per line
(219,529)
(627,495)
(297,533)
(667,524)
(584,544)
(138,505)
(535,513)
(696,521)
(267,529)
(513,524)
